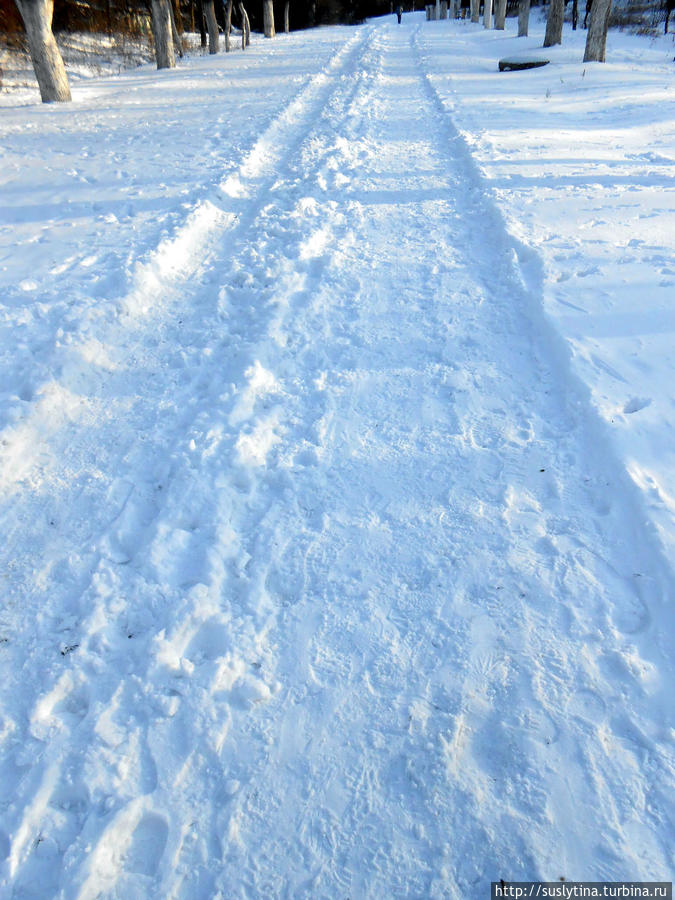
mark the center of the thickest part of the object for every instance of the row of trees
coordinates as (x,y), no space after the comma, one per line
(596,40)
(166,17)
(598,26)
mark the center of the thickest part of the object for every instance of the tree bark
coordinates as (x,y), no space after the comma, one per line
(596,39)
(554,23)
(487,13)
(174,31)
(161,31)
(177,17)
(500,15)
(44,52)
(268,18)
(523,17)
(228,25)
(211,25)
(245,27)
(287,17)
(202,29)
(475,11)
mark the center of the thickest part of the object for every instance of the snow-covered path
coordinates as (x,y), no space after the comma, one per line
(351,597)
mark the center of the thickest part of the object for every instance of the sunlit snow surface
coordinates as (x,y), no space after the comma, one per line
(337,410)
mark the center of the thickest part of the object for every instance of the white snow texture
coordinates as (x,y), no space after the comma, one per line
(337,443)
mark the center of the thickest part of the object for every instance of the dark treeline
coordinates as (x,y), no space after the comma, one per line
(133,16)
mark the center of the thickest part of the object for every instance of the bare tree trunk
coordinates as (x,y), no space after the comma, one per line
(475,11)
(500,15)
(202,29)
(174,31)
(161,31)
(211,25)
(44,52)
(268,18)
(287,17)
(596,39)
(523,17)
(177,17)
(554,23)
(228,25)
(487,13)
(245,27)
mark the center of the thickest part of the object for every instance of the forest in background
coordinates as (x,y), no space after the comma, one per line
(133,16)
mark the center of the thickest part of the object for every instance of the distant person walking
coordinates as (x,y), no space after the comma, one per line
(399,13)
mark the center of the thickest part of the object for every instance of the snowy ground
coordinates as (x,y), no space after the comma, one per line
(337,409)
(84,55)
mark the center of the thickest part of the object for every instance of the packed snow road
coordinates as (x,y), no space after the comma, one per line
(321,579)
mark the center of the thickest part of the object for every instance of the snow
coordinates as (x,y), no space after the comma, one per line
(337,410)
(84,55)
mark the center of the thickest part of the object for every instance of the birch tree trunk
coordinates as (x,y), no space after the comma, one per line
(228,25)
(475,11)
(523,17)
(245,27)
(487,13)
(44,52)
(287,17)
(211,25)
(268,18)
(500,15)
(161,31)
(554,23)
(596,39)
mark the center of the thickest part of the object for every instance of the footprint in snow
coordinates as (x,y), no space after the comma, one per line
(147,845)
(211,641)
(635,404)
(588,705)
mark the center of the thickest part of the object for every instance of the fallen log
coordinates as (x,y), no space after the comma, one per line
(515,65)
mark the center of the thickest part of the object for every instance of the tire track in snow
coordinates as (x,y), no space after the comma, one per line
(357,565)
(117,525)
(602,548)
(602,552)
(463,652)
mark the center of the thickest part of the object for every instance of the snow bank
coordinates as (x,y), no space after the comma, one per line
(580,158)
